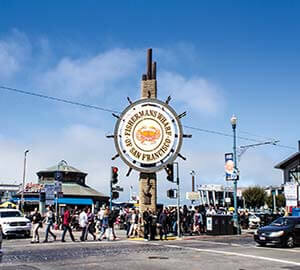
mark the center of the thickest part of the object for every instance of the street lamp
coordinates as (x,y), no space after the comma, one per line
(23,185)
(192,173)
(233,121)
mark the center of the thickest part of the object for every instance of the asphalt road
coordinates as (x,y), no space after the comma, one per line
(207,252)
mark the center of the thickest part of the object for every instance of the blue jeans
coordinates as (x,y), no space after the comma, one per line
(48,230)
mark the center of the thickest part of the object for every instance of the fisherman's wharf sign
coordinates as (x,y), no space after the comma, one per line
(148,135)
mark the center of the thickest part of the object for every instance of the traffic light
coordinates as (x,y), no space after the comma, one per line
(171,194)
(113,182)
(114,175)
(170,172)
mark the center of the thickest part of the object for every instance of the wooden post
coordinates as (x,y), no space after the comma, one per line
(147,182)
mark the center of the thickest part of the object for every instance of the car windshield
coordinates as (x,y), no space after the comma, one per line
(10,214)
(282,222)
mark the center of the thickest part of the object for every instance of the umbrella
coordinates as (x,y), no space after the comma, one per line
(7,204)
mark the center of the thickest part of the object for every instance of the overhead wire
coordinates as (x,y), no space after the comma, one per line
(24,92)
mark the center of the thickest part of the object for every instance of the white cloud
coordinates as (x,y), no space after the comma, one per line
(195,92)
(14,51)
(91,76)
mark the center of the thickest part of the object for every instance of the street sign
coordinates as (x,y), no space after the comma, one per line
(50,193)
(228,200)
(148,132)
(291,194)
(193,196)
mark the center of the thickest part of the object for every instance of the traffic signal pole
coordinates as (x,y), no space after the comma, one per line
(178,199)
(111,179)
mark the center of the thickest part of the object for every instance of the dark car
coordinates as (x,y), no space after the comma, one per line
(284,231)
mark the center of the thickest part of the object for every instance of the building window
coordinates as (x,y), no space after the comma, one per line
(294,174)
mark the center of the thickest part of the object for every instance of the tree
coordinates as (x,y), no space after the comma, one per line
(280,201)
(255,197)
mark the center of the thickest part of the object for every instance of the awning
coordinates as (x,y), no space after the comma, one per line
(76,201)
(26,199)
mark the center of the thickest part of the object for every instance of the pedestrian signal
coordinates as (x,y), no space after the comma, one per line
(171,193)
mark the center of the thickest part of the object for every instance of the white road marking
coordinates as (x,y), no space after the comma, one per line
(235,254)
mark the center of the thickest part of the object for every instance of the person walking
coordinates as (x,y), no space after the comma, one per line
(83,222)
(36,220)
(49,221)
(133,223)
(91,224)
(104,226)
(66,225)
(147,222)
(162,220)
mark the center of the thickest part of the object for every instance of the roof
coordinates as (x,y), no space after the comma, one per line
(283,164)
(62,166)
(69,189)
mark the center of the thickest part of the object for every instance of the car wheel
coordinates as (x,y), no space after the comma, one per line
(290,242)
(27,235)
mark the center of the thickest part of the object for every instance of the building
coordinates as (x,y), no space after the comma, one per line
(291,178)
(8,191)
(72,184)
(211,194)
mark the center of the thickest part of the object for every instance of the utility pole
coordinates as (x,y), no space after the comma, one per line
(178,199)
(24,176)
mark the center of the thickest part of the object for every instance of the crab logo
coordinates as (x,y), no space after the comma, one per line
(148,134)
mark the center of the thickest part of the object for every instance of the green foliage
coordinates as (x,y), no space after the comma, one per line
(254,197)
(280,201)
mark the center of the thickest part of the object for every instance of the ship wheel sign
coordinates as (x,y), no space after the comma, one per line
(148,135)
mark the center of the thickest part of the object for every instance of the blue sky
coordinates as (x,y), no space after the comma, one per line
(216,58)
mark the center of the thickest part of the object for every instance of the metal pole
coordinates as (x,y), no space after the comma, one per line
(23,185)
(274,201)
(110,201)
(178,199)
(235,214)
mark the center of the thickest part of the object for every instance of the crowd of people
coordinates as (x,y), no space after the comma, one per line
(148,225)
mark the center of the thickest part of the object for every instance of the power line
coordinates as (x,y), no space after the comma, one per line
(19,91)
(57,99)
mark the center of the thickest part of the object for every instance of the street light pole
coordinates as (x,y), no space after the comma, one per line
(193,180)
(178,199)
(23,185)
(233,121)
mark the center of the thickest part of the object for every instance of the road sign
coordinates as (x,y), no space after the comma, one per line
(50,193)
(193,196)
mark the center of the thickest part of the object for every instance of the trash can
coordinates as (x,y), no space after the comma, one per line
(219,225)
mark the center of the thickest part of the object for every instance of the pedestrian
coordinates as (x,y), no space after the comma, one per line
(162,221)
(91,224)
(83,222)
(66,225)
(133,223)
(198,222)
(128,221)
(147,221)
(211,211)
(104,226)
(49,221)
(36,220)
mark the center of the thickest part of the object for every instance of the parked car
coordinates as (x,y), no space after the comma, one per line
(13,222)
(254,221)
(284,231)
